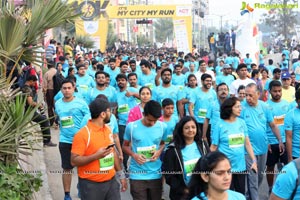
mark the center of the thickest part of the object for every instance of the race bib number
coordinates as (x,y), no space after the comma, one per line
(279,120)
(107,162)
(236,140)
(202,113)
(189,166)
(297,70)
(67,122)
(169,138)
(147,151)
(123,108)
(150,85)
(84,87)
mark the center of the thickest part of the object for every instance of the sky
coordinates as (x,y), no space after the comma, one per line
(231,11)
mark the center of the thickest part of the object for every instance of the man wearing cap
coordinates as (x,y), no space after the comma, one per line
(226,77)
(288,91)
(276,77)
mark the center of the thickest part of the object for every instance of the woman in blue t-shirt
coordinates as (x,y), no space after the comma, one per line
(181,156)
(230,136)
(211,179)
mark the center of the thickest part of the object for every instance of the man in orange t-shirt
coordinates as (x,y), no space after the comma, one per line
(94,155)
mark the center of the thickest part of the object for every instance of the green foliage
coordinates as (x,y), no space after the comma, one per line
(16,184)
(143,41)
(16,129)
(281,20)
(22,29)
(163,29)
(111,37)
(86,41)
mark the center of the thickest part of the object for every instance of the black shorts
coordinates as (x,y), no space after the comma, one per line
(65,155)
(275,156)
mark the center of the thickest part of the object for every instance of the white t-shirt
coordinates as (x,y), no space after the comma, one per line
(233,89)
(295,54)
(198,75)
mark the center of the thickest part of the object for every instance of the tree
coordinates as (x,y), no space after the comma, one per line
(143,41)
(163,29)
(22,28)
(111,37)
(282,20)
(21,33)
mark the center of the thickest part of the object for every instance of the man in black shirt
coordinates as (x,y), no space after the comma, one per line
(40,118)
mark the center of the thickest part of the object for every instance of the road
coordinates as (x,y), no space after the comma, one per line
(52,160)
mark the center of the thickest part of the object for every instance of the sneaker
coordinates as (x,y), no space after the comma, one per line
(67,197)
(50,144)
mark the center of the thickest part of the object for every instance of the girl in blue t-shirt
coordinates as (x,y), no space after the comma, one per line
(211,179)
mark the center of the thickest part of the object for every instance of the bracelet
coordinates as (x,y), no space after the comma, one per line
(254,161)
(121,174)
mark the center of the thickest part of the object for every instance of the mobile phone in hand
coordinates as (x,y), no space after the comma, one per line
(110,146)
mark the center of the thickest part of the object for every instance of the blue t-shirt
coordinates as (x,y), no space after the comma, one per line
(73,116)
(296,69)
(286,182)
(257,119)
(84,82)
(201,101)
(232,195)
(147,80)
(178,80)
(113,124)
(261,59)
(125,104)
(270,69)
(228,60)
(113,74)
(292,123)
(293,105)
(170,127)
(230,139)
(235,62)
(60,95)
(248,62)
(279,111)
(188,91)
(144,140)
(190,156)
(173,92)
(224,79)
(219,70)
(286,53)
(213,114)
(109,92)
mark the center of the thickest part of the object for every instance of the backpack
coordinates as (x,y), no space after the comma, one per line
(297,164)
(57,82)
(24,75)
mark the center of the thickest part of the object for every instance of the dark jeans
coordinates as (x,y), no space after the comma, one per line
(43,121)
(50,105)
(108,190)
(207,132)
(146,189)
(121,135)
(238,182)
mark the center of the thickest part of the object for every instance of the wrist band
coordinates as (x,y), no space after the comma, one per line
(121,174)
(254,161)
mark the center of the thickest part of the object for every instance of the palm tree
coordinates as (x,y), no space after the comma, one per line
(163,30)
(22,30)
